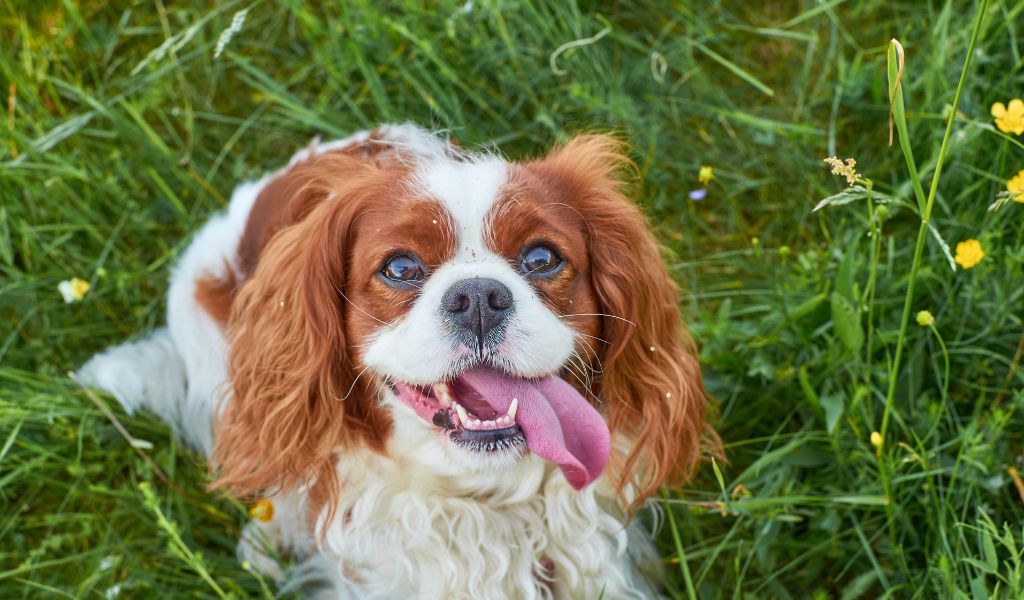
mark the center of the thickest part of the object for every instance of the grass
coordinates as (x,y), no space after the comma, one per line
(124,132)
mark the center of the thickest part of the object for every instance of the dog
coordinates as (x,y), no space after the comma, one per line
(453,375)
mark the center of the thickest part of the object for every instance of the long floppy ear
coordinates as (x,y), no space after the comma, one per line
(651,383)
(294,394)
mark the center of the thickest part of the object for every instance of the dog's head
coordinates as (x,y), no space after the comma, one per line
(501,308)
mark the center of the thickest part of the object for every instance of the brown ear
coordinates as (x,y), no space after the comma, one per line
(294,393)
(651,384)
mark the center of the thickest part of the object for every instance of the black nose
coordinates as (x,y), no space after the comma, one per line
(477,307)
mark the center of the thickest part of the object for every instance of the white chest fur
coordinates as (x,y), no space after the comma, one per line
(402,533)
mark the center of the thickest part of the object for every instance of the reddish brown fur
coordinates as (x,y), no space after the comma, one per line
(215,295)
(320,231)
(293,336)
(279,205)
(650,383)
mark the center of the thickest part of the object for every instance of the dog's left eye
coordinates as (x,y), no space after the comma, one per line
(538,260)
(403,268)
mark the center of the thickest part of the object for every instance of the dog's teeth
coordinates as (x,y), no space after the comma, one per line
(512,410)
(488,424)
(443,395)
(462,414)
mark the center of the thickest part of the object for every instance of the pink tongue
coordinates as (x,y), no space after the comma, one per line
(559,424)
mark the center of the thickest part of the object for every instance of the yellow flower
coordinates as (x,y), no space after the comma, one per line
(263,510)
(969,253)
(705,175)
(73,289)
(876,439)
(1009,119)
(1016,186)
(925,318)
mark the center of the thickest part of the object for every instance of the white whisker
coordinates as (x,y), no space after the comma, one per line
(353,386)
(356,306)
(599,315)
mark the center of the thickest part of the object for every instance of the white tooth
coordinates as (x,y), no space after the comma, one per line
(441,391)
(489,424)
(512,409)
(462,414)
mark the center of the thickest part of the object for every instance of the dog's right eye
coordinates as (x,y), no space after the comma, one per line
(404,269)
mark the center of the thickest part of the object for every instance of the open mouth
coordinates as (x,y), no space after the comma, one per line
(491,411)
(471,424)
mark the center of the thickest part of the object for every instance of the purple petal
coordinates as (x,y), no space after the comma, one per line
(698,194)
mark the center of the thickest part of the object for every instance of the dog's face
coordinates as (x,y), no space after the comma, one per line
(474,305)
(505,308)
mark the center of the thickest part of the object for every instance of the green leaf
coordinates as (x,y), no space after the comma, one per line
(807,307)
(991,558)
(979,589)
(736,69)
(844,277)
(977,564)
(846,322)
(865,500)
(718,474)
(846,196)
(895,62)
(833,405)
(1007,539)
(808,389)
(942,244)
(855,193)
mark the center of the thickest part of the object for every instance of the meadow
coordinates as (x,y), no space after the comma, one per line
(871,450)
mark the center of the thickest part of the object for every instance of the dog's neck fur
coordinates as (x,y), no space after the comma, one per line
(406,525)
(403,531)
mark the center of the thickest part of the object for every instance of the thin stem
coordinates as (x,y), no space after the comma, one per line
(894,372)
(945,355)
(875,229)
(179,544)
(923,231)
(684,566)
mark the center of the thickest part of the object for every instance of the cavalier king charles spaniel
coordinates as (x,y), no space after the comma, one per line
(455,376)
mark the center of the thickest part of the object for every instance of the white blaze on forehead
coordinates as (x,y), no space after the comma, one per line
(468,190)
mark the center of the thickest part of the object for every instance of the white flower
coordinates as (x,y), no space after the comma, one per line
(73,289)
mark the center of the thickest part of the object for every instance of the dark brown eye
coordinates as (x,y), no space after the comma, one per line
(539,260)
(403,269)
